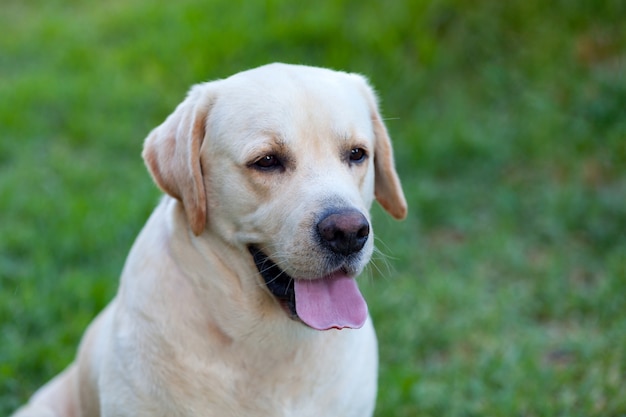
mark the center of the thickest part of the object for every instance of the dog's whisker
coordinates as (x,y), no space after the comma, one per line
(378,258)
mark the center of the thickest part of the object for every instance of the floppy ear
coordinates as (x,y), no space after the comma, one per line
(172,154)
(387,188)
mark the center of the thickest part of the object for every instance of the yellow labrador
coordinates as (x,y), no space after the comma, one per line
(231,297)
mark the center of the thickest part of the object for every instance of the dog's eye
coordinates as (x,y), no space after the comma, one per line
(268,162)
(358,155)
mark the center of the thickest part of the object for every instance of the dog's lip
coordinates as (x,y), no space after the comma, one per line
(277,281)
(330,301)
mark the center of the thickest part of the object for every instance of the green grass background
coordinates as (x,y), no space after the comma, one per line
(502,294)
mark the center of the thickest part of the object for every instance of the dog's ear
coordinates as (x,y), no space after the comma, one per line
(172,154)
(387,188)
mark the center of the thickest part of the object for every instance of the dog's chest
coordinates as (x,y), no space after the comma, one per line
(331,377)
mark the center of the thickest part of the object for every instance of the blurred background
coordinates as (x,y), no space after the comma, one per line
(502,294)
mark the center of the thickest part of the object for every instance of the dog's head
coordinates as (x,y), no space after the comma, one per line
(284,162)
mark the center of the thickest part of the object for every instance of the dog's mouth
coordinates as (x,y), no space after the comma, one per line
(329,302)
(277,281)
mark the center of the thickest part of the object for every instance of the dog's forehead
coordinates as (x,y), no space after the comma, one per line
(291,100)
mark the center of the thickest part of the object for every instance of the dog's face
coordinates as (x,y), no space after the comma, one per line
(284,162)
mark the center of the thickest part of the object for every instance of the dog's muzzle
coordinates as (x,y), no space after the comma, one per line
(332,300)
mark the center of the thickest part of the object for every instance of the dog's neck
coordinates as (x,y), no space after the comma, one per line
(229,306)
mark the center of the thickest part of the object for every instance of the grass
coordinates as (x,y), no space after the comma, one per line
(503,293)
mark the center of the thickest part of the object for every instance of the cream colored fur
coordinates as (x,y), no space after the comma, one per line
(193,331)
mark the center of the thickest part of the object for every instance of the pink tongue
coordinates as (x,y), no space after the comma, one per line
(330,302)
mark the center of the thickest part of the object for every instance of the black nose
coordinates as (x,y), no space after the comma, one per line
(344,232)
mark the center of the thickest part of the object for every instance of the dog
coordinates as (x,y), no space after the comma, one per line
(233,298)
